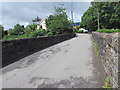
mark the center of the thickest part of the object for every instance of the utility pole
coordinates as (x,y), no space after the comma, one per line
(72,20)
(72,15)
(98,20)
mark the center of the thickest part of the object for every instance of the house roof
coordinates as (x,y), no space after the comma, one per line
(37,19)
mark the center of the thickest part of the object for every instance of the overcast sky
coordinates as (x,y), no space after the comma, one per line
(24,12)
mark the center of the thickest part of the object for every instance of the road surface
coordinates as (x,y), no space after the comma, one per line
(70,64)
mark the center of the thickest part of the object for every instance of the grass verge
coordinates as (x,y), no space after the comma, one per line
(96,48)
(108,30)
(107,81)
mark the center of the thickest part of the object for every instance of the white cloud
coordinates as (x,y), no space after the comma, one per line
(0,13)
(24,23)
(59,0)
(24,12)
(46,0)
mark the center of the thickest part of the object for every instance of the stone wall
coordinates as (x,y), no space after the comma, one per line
(109,52)
(14,50)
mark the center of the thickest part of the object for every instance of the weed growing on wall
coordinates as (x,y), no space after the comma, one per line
(107,84)
(96,48)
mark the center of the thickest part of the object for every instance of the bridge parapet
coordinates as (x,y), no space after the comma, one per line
(109,50)
(14,50)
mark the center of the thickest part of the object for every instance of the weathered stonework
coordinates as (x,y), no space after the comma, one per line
(108,46)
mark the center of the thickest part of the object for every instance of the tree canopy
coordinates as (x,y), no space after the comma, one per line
(58,23)
(1,31)
(18,29)
(30,28)
(109,16)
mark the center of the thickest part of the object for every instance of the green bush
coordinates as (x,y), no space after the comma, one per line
(107,84)
(79,31)
(33,34)
(18,30)
(11,37)
(36,33)
(108,30)
(30,28)
(77,27)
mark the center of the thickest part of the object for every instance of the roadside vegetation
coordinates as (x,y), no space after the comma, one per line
(79,31)
(108,30)
(96,48)
(56,24)
(108,13)
(33,34)
(108,84)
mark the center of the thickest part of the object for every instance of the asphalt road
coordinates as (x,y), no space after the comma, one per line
(70,64)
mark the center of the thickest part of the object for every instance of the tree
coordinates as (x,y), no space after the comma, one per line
(115,17)
(109,15)
(1,31)
(30,28)
(18,30)
(89,20)
(58,23)
(6,32)
(77,27)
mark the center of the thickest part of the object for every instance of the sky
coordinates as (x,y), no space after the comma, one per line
(24,12)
